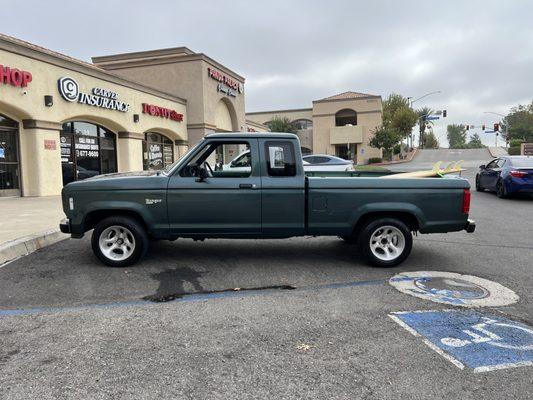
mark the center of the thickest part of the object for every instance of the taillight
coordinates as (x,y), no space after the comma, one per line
(466,201)
(518,174)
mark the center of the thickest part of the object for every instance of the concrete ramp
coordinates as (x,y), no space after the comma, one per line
(424,159)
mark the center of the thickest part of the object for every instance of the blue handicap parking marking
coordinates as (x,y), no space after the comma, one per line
(472,339)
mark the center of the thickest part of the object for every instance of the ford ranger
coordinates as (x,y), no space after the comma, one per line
(267,195)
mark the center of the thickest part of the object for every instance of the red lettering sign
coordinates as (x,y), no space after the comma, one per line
(216,75)
(14,76)
(162,112)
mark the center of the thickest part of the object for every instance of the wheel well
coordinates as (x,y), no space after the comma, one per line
(94,217)
(407,218)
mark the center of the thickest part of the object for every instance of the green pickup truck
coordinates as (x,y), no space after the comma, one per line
(266,194)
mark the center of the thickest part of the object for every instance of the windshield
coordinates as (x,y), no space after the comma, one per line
(523,162)
(171,166)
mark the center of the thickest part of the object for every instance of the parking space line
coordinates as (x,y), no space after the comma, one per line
(187,297)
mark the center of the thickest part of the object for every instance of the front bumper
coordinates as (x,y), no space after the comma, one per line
(470,226)
(64,226)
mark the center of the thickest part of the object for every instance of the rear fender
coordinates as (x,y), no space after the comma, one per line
(389,208)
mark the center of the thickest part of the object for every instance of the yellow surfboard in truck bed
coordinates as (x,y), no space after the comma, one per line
(451,168)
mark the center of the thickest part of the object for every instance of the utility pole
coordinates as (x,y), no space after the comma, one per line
(421,141)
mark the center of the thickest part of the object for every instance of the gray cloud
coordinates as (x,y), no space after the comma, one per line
(478,53)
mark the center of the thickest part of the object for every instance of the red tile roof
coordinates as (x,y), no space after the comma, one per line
(348,95)
(44,50)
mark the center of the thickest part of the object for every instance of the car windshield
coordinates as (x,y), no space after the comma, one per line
(171,166)
(523,162)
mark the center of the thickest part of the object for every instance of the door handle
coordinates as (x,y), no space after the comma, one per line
(247,186)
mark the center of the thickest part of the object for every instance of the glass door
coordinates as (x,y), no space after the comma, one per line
(9,158)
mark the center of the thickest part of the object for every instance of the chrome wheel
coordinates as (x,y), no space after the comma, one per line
(387,243)
(116,243)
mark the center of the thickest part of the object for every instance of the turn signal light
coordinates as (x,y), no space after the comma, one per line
(466,201)
(518,174)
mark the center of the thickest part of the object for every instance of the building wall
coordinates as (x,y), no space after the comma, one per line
(186,76)
(262,117)
(369,117)
(40,167)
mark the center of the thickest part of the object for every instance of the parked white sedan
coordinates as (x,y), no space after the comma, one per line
(325,162)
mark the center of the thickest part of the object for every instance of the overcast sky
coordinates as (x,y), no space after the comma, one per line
(478,53)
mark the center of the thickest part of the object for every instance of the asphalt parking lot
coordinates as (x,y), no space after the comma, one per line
(308,319)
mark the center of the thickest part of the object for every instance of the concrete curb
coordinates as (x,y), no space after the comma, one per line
(28,244)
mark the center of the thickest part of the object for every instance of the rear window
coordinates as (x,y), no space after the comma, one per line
(280,158)
(522,162)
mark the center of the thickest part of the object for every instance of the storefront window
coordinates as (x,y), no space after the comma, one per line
(158,151)
(9,165)
(87,150)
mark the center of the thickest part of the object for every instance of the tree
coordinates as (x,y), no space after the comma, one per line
(398,121)
(385,138)
(423,124)
(281,124)
(431,141)
(519,123)
(475,142)
(456,136)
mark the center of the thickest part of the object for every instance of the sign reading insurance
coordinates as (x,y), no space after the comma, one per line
(70,91)
(162,112)
(14,76)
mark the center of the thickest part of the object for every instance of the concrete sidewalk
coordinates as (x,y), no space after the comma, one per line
(28,224)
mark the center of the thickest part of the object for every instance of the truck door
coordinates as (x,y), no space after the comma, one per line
(206,198)
(283,188)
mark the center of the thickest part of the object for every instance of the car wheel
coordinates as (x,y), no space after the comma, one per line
(479,188)
(501,191)
(119,241)
(385,242)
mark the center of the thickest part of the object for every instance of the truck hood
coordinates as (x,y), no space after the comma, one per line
(121,181)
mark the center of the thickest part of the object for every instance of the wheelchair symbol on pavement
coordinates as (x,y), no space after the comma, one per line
(489,337)
(471,339)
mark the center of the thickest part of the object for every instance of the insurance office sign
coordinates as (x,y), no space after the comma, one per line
(98,97)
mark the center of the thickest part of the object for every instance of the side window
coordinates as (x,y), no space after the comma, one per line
(221,160)
(492,164)
(280,158)
(501,163)
(310,159)
(321,160)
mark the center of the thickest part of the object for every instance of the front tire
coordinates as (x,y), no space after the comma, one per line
(119,241)
(385,242)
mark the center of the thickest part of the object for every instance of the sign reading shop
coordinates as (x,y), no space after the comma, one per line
(70,91)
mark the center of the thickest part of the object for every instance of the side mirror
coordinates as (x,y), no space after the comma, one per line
(482,166)
(202,174)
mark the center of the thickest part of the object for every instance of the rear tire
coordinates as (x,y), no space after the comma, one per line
(501,191)
(385,242)
(119,241)
(479,188)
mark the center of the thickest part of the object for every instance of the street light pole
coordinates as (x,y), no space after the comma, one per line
(420,139)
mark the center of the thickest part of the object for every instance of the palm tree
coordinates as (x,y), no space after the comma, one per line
(422,123)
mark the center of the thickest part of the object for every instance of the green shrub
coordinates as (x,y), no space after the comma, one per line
(374,160)
(514,151)
(515,143)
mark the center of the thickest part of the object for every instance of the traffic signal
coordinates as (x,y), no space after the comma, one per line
(483,127)
(444,113)
(496,127)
